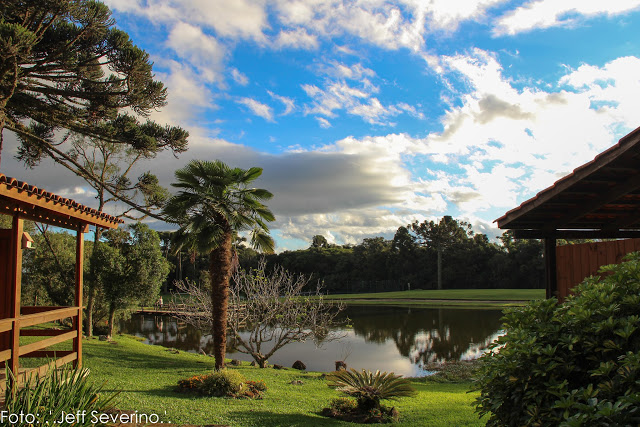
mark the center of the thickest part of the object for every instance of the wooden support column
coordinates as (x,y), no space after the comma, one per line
(77,322)
(550,264)
(15,284)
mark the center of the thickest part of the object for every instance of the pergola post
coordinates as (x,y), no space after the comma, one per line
(77,323)
(15,282)
(550,264)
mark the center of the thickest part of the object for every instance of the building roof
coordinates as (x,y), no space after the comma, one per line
(39,205)
(598,199)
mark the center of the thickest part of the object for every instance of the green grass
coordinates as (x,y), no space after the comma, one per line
(504,295)
(147,376)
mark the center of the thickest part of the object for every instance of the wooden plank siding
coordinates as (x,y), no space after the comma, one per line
(576,262)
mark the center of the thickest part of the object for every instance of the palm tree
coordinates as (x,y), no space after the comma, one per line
(214,203)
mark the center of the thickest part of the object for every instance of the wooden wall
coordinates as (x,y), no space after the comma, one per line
(575,262)
(6,294)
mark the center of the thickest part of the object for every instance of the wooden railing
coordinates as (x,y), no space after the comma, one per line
(32,316)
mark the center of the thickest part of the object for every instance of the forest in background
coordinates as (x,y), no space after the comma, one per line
(408,261)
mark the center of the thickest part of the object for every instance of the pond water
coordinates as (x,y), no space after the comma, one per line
(389,338)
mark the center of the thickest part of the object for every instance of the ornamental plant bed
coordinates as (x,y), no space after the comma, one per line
(224,383)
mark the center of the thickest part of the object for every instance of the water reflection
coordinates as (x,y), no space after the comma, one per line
(399,339)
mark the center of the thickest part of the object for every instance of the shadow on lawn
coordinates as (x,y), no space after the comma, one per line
(266,418)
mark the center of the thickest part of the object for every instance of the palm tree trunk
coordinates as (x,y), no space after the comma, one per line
(219,274)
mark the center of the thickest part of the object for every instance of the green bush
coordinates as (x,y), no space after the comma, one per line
(222,383)
(42,399)
(576,363)
(343,404)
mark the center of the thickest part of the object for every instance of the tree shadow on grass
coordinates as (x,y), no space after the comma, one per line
(266,418)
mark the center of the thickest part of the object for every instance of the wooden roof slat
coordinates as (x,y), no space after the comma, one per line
(42,206)
(612,195)
(603,194)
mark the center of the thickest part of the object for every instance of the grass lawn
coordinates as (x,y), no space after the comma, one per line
(147,376)
(504,295)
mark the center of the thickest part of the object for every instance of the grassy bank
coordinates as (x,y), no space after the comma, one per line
(147,376)
(446,297)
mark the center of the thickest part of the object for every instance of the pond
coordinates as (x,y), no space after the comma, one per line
(389,338)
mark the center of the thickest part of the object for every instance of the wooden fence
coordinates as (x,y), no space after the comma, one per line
(576,262)
(33,316)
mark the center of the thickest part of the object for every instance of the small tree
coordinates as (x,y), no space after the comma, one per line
(268,311)
(130,267)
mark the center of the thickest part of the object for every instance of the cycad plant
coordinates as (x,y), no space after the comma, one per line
(370,388)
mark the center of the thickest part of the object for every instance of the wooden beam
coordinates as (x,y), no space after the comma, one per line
(15,283)
(627,144)
(611,195)
(49,354)
(47,342)
(48,316)
(32,201)
(551,267)
(6,324)
(576,234)
(42,332)
(77,321)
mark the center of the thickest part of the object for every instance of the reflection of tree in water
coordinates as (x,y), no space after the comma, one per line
(168,332)
(427,335)
(422,335)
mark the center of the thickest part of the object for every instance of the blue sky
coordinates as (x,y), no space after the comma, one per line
(369,114)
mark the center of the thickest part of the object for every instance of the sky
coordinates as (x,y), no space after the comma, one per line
(367,115)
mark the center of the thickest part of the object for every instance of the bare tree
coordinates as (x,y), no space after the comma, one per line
(267,311)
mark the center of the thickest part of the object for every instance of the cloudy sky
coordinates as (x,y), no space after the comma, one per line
(369,114)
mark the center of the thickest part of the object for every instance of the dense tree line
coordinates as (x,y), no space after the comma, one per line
(408,261)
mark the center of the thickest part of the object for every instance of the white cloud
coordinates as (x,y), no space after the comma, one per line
(350,89)
(391,25)
(324,123)
(239,77)
(501,145)
(187,95)
(298,38)
(551,13)
(257,108)
(237,19)
(203,51)
(288,103)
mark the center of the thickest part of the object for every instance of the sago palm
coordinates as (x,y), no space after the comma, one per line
(369,388)
(215,202)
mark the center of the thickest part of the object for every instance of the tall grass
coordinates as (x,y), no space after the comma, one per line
(62,397)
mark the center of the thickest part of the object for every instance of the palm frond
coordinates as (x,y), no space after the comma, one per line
(213,196)
(367,385)
(262,241)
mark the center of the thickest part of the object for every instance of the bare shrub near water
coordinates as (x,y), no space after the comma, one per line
(267,311)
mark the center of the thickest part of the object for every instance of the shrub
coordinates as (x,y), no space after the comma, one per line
(42,399)
(191,383)
(224,383)
(343,404)
(576,363)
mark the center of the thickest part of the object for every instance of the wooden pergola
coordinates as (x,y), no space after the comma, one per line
(598,200)
(23,201)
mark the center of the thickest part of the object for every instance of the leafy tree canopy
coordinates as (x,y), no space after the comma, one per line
(65,70)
